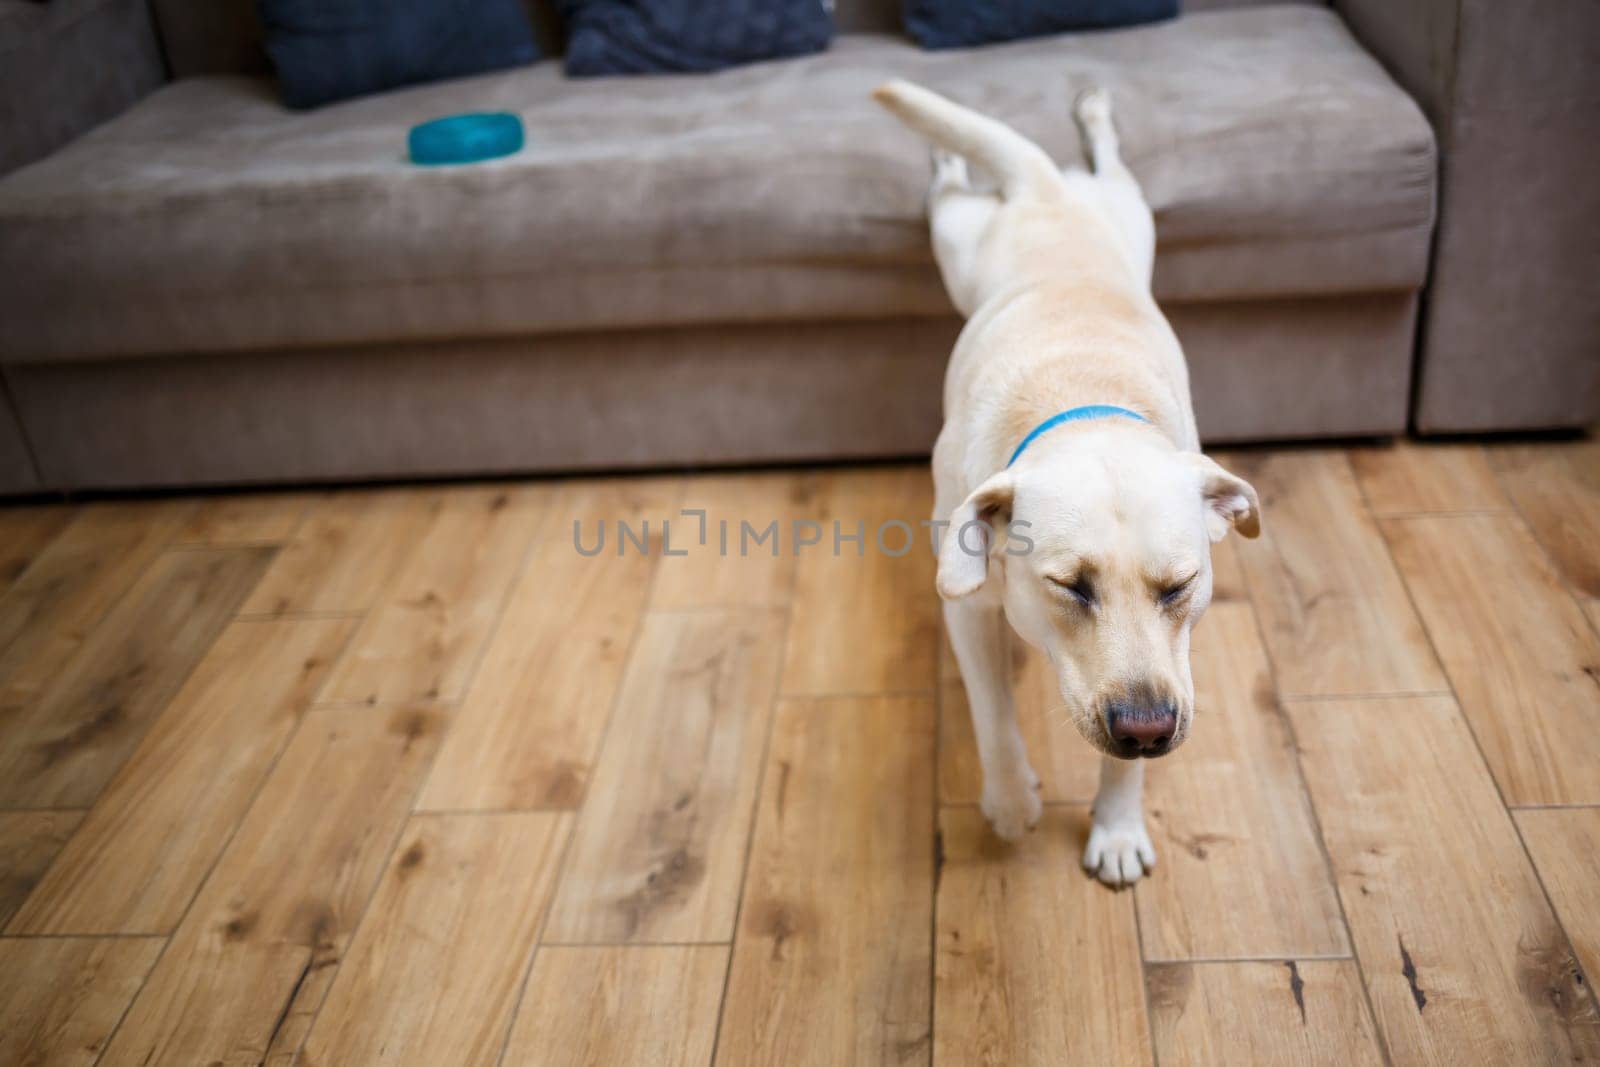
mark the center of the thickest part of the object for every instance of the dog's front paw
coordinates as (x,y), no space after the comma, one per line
(1013,806)
(1119,855)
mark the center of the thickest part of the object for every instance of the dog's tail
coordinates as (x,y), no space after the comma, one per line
(1021,167)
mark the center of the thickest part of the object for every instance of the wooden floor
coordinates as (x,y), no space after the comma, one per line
(399,776)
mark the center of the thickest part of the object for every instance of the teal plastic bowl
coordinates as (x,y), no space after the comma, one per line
(469,138)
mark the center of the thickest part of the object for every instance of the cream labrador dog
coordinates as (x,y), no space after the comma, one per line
(1079,507)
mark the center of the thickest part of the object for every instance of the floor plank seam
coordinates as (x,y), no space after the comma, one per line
(1333,698)
(217,859)
(1555,914)
(512,584)
(750,834)
(434,509)
(1453,513)
(177,684)
(577,811)
(861,694)
(296,616)
(1552,807)
(1144,973)
(635,944)
(84,937)
(567,847)
(95,623)
(549,808)
(1477,743)
(1296,957)
(1305,790)
(377,883)
(1578,595)
(383,705)
(427,772)
(210,869)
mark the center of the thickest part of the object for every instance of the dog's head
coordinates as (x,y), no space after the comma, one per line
(1099,549)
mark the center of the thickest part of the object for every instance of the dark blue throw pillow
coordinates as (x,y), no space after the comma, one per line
(327,50)
(664,36)
(964,23)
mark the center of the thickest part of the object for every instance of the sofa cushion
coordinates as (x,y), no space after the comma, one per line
(962,23)
(1279,157)
(677,36)
(327,50)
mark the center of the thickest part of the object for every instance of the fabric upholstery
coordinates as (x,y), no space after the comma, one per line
(606,37)
(1280,160)
(66,66)
(653,398)
(328,50)
(1512,334)
(224,36)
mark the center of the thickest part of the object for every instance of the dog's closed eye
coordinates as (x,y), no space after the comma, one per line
(1078,586)
(1173,592)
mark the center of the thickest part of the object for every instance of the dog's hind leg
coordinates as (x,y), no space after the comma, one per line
(1119,190)
(979,635)
(957,217)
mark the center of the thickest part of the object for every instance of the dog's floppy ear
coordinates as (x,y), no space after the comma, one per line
(1229,500)
(964,556)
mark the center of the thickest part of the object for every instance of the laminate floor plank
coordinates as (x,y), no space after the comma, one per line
(434,972)
(29,843)
(659,848)
(1239,870)
(25,532)
(1565,846)
(60,751)
(1464,961)
(1037,964)
(345,552)
(635,1004)
(1522,659)
(731,567)
(832,959)
(529,728)
(1411,476)
(53,606)
(423,637)
(865,621)
(140,856)
(245,518)
(1281,1011)
(60,998)
(278,911)
(1333,610)
(1556,487)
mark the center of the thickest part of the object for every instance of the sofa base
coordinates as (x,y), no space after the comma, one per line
(652,398)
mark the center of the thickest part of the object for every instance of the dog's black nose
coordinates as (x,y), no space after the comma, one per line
(1142,731)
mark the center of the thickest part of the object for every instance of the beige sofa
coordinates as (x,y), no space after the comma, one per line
(209,289)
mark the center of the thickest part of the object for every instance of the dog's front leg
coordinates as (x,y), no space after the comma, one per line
(1119,850)
(978,634)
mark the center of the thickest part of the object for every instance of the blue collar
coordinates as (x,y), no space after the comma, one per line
(1088,411)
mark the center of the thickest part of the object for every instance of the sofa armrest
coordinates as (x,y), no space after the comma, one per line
(1514,97)
(68,65)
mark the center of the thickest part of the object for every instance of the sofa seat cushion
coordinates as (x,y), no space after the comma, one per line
(1280,158)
